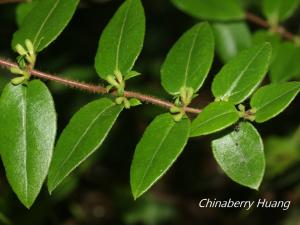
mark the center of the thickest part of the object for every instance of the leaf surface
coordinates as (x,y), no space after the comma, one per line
(272,99)
(122,40)
(27,135)
(279,10)
(240,154)
(240,77)
(215,117)
(231,38)
(161,144)
(189,60)
(45,22)
(211,9)
(84,134)
(286,63)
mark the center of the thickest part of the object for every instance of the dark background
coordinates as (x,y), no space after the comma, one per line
(98,192)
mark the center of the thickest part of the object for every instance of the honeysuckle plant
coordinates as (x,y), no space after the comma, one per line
(28,120)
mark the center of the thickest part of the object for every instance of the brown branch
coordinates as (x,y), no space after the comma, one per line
(98,88)
(265,24)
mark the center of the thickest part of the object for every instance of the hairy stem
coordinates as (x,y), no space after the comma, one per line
(98,88)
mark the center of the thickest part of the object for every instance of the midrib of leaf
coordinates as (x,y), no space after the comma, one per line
(24,126)
(44,22)
(215,117)
(121,36)
(278,97)
(189,57)
(237,80)
(79,140)
(154,155)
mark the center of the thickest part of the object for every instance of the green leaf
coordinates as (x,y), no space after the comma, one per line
(215,117)
(231,38)
(240,154)
(83,135)
(239,78)
(23,10)
(189,61)
(27,135)
(160,146)
(211,9)
(122,40)
(279,10)
(272,99)
(45,22)
(262,36)
(286,63)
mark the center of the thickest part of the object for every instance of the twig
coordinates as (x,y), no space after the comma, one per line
(98,88)
(265,24)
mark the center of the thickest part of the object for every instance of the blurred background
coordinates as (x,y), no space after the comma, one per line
(98,192)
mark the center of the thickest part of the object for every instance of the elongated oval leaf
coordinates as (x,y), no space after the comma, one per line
(240,155)
(23,10)
(83,135)
(215,117)
(189,61)
(272,99)
(45,22)
(211,9)
(160,146)
(239,78)
(286,63)
(122,40)
(262,36)
(279,10)
(231,38)
(27,135)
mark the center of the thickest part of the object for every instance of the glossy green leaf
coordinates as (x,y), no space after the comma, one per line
(272,99)
(211,9)
(215,117)
(239,78)
(240,154)
(231,38)
(286,63)
(23,10)
(122,40)
(45,22)
(279,10)
(83,135)
(262,36)
(189,60)
(160,146)
(27,135)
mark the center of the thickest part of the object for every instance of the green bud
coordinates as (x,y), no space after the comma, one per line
(253,110)
(16,70)
(134,102)
(29,47)
(174,109)
(126,103)
(132,74)
(119,76)
(119,100)
(251,118)
(241,107)
(178,117)
(18,80)
(21,50)
(111,79)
